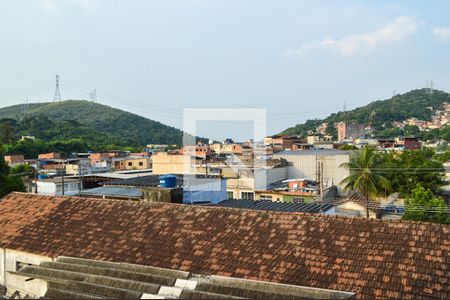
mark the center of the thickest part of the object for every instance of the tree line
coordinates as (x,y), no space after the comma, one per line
(417,175)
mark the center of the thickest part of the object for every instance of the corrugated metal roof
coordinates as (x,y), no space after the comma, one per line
(114,191)
(274,206)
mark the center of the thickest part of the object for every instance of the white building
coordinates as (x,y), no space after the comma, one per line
(54,186)
(305,162)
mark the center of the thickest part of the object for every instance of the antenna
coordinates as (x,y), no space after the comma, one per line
(345,106)
(57,96)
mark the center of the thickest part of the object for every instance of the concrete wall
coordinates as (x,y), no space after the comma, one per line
(9,260)
(51,188)
(304,165)
(157,194)
(351,208)
(164,163)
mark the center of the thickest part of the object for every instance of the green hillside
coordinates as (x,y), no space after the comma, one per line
(93,123)
(382,113)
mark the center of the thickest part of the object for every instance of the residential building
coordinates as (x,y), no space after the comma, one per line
(350,130)
(14,160)
(283,141)
(68,246)
(77,167)
(201,151)
(54,186)
(409,143)
(100,162)
(225,148)
(52,155)
(131,163)
(243,181)
(300,190)
(166,163)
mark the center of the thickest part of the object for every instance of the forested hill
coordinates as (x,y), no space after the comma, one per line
(93,123)
(380,114)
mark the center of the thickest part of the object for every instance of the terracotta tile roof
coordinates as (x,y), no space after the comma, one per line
(369,257)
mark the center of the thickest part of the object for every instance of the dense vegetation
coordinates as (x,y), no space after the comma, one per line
(417,175)
(88,122)
(407,169)
(8,181)
(423,205)
(381,115)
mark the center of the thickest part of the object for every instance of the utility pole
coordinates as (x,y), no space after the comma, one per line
(80,184)
(62,178)
(37,178)
(321,186)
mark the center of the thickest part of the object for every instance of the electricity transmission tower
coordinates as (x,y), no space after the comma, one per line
(93,96)
(57,96)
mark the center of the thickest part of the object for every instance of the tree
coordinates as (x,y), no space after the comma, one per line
(8,182)
(422,205)
(331,130)
(411,130)
(406,169)
(348,147)
(364,176)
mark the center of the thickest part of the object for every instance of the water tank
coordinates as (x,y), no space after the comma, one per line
(168,181)
(42,176)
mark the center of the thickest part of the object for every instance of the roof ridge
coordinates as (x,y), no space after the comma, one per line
(194,207)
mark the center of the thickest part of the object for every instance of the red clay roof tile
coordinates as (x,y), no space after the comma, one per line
(370,258)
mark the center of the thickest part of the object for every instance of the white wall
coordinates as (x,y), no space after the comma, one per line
(304,166)
(9,259)
(51,188)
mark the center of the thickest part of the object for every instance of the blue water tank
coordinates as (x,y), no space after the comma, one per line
(168,181)
(42,176)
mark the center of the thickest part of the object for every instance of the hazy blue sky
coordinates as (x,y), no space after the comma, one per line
(297,59)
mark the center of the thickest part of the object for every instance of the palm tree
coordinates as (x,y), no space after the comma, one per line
(364,176)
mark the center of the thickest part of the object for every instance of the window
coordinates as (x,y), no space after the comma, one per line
(299,200)
(130,164)
(247,196)
(230,195)
(141,164)
(265,197)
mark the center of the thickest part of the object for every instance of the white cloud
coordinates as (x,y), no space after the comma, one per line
(442,33)
(397,30)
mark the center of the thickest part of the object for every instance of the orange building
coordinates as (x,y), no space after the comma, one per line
(51,155)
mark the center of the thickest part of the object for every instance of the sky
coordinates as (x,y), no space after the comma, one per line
(297,59)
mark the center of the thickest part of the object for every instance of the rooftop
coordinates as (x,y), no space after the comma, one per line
(268,205)
(314,152)
(75,278)
(372,258)
(153,180)
(113,191)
